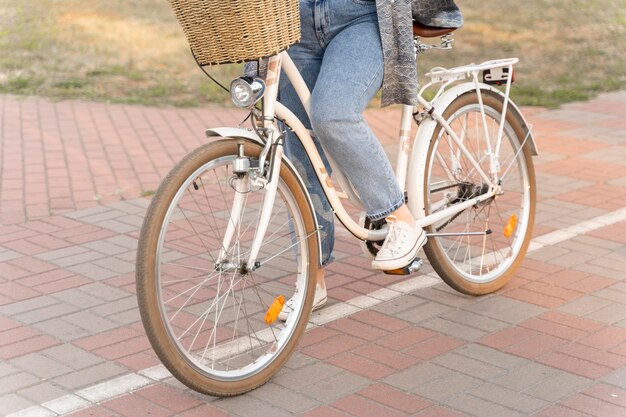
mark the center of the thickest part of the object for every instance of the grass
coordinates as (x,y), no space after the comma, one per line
(133,51)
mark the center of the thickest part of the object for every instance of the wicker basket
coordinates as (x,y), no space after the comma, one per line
(228,31)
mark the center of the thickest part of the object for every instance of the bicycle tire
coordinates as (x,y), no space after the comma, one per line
(450,179)
(178,245)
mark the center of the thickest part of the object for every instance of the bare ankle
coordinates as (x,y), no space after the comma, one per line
(403,214)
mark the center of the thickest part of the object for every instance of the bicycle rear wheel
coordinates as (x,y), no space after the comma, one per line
(203,308)
(483,262)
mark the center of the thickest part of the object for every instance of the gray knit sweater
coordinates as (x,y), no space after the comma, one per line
(396,33)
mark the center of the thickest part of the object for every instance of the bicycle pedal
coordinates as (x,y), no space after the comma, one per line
(414,266)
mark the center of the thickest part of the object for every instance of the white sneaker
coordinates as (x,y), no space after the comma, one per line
(318,301)
(400,247)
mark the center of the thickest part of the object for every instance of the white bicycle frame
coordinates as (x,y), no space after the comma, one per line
(411,160)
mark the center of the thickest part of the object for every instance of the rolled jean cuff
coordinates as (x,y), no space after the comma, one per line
(327,261)
(385,213)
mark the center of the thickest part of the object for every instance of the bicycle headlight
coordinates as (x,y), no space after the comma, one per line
(246,91)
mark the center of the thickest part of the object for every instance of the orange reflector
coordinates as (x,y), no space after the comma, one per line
(274,310)
(510,226)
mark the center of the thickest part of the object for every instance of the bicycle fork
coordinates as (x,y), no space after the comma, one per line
(242,184)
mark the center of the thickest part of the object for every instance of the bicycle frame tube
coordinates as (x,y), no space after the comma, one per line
(458,141)
(272,107)
(273,141)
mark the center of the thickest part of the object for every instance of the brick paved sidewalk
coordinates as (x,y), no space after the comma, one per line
(552,343)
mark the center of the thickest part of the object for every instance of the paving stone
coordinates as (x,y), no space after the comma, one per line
(408,379)
(614,274)
(72,356)
(299,360)
(509,398)
(132,405)
(11,403)
(90,321)
(116,265)
(423,312)
(357,405)
(115,307)
(14,382)
(525,376)
(78,298)
(610,314)
(611,294)
(443,294)
(8,255)
(558,386)
(283,398)
(617,378)
(453,329)
(248,406)
(13,309)
(330,389)
(42,392)
(117,226)
(62,253)
(123,241)
(583,306)
(481,408)
(398,400)
(105,247)
(91,211)
(468,366)
(45,313)
(79,258)
(41,366)
(442,389)
(102,216)
(547,253)
(133,220)
(301,378)
(399,304)
(126,317)
(7,369)
(505,309)
(92,271)
(104,291)
(89,376)
(592,406)
(491,356)
(467,318)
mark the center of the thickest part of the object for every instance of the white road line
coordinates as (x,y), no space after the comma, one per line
(107,390)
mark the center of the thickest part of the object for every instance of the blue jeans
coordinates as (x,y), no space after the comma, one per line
(340,58)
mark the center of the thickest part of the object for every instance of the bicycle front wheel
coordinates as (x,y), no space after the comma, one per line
(204,309)
(478,250)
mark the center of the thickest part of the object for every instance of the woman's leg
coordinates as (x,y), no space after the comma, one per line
(350,75)
(307,56)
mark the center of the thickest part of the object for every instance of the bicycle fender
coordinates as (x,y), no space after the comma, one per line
(241,133)
(417,167)
(233,132)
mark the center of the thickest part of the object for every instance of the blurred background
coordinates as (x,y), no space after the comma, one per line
(133,51)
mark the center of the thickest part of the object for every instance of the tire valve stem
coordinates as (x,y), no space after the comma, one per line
(195,186)
(275,309)
(510,226)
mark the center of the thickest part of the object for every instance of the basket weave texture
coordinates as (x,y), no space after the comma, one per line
(228,31)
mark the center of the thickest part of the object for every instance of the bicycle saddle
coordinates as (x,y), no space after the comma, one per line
(424,31)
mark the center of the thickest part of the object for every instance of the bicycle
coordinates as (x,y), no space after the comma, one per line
(231,231)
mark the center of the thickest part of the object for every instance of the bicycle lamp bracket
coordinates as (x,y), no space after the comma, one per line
(246,91)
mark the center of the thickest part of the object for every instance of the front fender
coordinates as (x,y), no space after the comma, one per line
(233,132)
